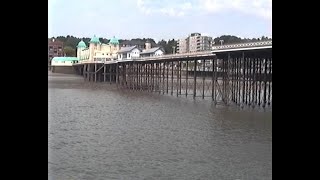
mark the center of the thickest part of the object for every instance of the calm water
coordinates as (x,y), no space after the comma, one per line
(98,132)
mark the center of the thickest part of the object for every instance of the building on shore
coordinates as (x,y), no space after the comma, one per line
(55,49)
(128,53)
(150,52)
(63,64)
(156,51)
(98,51)
(135,52)
(194,42)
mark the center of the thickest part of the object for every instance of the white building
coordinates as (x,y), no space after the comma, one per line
(63,64)
(128,53)
(64,61)
(156,51)
(134,52)
(149,52)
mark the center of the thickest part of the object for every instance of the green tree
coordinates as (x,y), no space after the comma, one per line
(162,44)
(228,39)
(171,43)
(69,51)
(168,46)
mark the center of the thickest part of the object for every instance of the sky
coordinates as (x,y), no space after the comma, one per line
(159,19)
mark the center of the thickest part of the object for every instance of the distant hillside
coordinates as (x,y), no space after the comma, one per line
(71,41)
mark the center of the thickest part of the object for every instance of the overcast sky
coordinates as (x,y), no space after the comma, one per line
(159,19)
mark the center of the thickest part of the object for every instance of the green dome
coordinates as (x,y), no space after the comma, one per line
(114,41)
(94,39)
(81,44)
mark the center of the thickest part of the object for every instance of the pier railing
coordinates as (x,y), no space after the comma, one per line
(242,45)
(180,55)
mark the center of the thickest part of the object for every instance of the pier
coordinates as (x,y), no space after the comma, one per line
(239,74)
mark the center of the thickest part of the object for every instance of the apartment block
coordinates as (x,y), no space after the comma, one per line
(194,42)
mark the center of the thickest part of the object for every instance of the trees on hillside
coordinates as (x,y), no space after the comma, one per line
(168,46)
(228,39)
(69,51)
(71,42)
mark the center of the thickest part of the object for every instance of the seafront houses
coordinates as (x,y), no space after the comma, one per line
(132,52)
(128,53)
(149,51)
(156,51)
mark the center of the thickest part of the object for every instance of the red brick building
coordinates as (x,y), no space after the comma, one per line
(55,49)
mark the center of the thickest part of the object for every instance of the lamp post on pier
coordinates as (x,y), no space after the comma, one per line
(173,49)
(221,41)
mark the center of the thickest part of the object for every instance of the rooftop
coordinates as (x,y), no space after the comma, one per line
(152,50)
(114,40)
(54,41)
(65,59)
(126,49)
(94,39)
(81,44)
